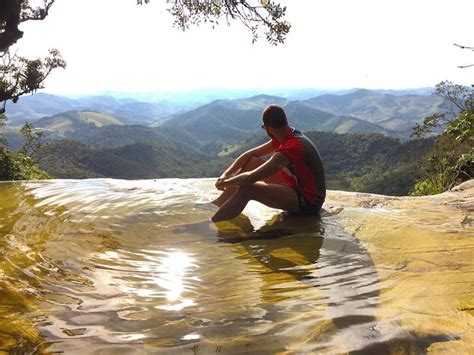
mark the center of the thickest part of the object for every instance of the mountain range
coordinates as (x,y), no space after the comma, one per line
(218,127)
(147,108)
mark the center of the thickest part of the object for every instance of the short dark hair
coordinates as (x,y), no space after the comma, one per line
(274,116)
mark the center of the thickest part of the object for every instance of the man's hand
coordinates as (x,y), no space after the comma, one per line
(270,167)
(220,183)
(221,179)
(238,180)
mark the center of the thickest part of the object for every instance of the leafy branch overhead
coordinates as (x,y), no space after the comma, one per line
(468,48)
(261,17)
(20,75)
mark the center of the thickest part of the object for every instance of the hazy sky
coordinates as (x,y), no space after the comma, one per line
(385,44)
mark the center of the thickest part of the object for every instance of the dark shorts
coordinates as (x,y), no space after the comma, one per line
(308,208)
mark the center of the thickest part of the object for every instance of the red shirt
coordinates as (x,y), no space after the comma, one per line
(305,170)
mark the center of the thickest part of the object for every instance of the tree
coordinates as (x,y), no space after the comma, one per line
(23,164)
(452,159)
(20,75)
(458,98)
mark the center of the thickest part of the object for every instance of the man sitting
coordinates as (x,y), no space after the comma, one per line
(292,179)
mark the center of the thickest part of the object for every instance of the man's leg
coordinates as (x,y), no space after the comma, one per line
(252,164)
(271,195)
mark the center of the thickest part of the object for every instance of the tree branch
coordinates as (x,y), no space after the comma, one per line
(464,47)
(468,48)
(265,15)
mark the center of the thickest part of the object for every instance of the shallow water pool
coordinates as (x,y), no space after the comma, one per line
(99,266)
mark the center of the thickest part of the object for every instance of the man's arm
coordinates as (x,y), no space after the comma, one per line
(277,161)
(264,149)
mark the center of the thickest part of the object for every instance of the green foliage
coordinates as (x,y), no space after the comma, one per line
(458,98)
(462,128)
(449,164)
(22,164)
(20,76)
(427,186)
(452,159)
(370,162)
(139,160)
(18,166)
(32,141)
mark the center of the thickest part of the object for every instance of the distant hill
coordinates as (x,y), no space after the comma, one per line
(216,122)
(311,119)
(396,113)
(34,107)
(75,120)
(227,122)
(257,102)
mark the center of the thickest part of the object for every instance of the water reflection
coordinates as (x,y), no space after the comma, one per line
(285,243)
(339,291)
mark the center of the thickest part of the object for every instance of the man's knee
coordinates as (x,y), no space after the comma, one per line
(253,163)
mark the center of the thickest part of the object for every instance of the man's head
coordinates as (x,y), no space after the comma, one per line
(273,116)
